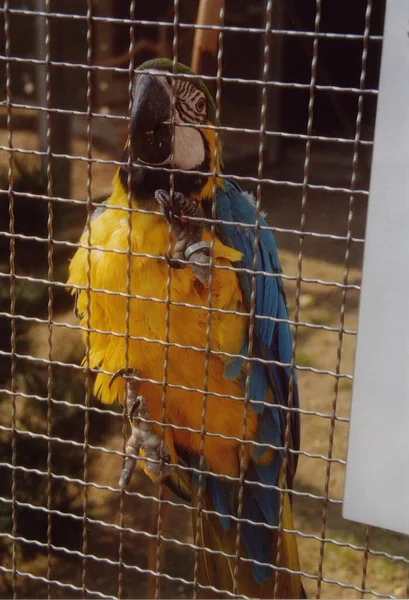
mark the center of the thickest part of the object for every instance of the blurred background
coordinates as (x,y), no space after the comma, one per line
(40,344)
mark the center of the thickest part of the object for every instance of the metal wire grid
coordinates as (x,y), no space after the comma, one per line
(87,482)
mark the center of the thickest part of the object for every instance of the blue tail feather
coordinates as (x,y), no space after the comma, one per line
(256,538)
(220,494)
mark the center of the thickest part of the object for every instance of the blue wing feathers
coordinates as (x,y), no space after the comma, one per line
(258,386)
(273,342)
(256,538)
(275,338)
(269,428)
(268,498)
(220,493)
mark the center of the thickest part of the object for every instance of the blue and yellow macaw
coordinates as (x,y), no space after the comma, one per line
(161,218)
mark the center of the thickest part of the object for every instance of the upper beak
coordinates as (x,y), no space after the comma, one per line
(150,131)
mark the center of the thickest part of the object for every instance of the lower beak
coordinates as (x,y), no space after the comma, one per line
(150,130)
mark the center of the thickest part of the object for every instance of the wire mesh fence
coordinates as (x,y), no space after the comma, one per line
(295,95)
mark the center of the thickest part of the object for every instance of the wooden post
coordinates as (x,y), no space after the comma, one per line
(205,44)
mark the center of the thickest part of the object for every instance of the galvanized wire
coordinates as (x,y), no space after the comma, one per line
(159,23)
(191,430)
(354,175)
(365,560)
(365,550)
(304,200)
(50,276)
(87,483)
(199,516)
(223,176)
(163,420)
(88,388)
(187,305)
(252,313)
(44,361)
(238,80)
(159,257)
(220,128)
(94,409)
(69,552)
(11,276)
(127,303)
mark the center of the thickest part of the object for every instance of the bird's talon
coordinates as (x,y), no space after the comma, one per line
(181,213)
(124,372)
(172,262)
(127,472)
(165,203)
(159,467)
(143,441)
(162,197)
(136,407)
(167,214)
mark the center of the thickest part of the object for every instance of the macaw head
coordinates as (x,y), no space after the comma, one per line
(155,99)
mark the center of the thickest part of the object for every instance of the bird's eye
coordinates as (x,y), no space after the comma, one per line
(201,105)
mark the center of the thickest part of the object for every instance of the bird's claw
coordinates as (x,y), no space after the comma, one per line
(126,372)
(127,472)
(182,214)
(142,441)
(184,217)
(175,264)
(170,204)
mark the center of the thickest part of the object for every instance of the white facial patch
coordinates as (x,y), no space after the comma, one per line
(189,148)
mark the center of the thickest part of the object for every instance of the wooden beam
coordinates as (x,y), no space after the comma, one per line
(205,44)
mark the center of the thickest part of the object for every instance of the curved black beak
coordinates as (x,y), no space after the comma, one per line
(150,131)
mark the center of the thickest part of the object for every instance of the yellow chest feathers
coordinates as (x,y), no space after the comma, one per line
(132,293)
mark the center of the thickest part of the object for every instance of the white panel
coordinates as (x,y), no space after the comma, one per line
(377,479)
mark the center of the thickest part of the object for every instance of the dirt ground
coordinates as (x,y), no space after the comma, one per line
(322,401)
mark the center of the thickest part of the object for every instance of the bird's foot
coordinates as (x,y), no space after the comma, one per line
(182,214)
(142,441)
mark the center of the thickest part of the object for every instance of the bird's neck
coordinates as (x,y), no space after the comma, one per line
(144,181)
